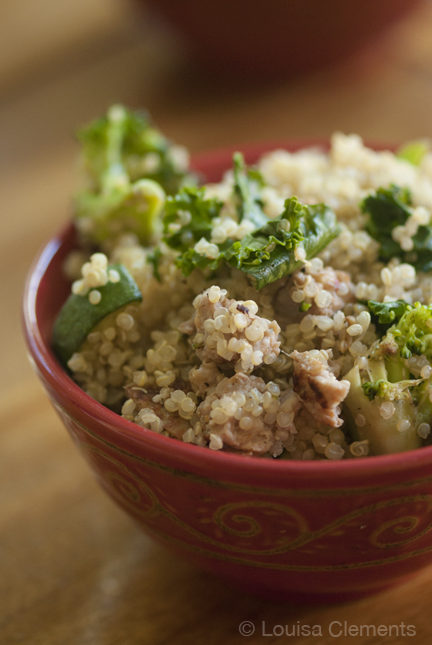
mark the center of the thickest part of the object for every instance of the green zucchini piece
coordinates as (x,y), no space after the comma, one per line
(78,317)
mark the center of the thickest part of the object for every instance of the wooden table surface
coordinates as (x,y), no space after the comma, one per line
(74,569)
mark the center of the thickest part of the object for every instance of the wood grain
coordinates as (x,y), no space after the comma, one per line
(75,570)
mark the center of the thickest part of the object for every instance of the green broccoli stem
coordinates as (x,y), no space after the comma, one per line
(377,370)
(396,368)
(366,419)
(114,174)
(422,395)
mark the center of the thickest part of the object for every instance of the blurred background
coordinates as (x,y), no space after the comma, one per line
(211,73)
(229,73)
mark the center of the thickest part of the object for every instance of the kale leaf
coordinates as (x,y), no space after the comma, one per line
(272,251)
(388,208)
(247,185)
(188,217)
(386,314)
(283,244)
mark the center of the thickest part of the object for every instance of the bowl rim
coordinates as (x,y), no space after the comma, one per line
(216,461)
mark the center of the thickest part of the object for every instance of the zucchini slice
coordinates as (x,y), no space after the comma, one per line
(78,317)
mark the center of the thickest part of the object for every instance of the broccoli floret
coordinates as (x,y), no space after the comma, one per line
(413,332)
(129,165)
(376,388)
(414,151)
(126,142)
(132,207)
(388,378)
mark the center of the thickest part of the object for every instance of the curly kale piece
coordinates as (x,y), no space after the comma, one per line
(282,245)
(247,187)
(188,217)
(387,208)
(386,314)
(391,207)
(189,214)
(129,165)
(272,251)
(421,256)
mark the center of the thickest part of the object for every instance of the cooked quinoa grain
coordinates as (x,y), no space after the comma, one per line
(286,370)
(229,331)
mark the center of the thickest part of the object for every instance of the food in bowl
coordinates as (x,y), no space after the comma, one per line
(282,312)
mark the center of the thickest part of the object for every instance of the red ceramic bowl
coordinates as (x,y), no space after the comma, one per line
(282,37)
(308,530)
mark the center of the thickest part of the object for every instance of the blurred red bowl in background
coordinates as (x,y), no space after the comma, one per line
(280,37)
(289,529)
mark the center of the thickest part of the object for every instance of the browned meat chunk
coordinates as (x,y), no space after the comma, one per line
(324,288)
(151,414)
(247,414)
(203,377)
(317,387)
(227,330)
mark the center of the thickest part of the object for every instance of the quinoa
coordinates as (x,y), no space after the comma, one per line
(209,359)
(245,413)
(227,330)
